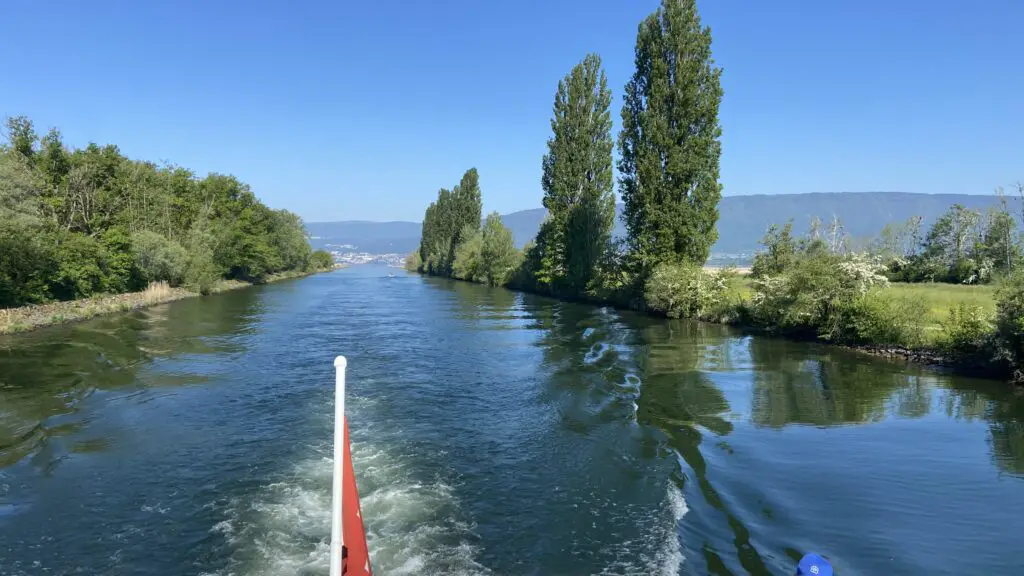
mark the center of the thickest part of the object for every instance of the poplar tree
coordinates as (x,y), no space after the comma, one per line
(577,179)
(669,145)
(449,222)
(466,211)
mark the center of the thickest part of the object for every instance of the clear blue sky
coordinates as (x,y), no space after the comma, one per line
(362,110)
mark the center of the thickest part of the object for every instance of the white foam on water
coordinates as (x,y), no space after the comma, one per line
(661,552)
(670,557)
(413,526)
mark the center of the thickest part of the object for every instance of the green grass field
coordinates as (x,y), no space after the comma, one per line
(942,297)
(939,298)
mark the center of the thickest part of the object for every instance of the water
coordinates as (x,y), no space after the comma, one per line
(493,433)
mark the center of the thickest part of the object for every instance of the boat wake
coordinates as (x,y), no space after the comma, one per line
(412,526)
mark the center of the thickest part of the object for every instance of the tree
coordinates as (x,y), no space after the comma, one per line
(498,254)
(951,238)
(577,178)
(449,222)
(158,258)
(669,145)
(466,265)
(999,242)
(68,219)
(320,260)
(780,251)
(20,188)
(434,238)
(464,212)
(21,134)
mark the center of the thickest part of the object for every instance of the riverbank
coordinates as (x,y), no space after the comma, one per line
(929,348)
(28,318)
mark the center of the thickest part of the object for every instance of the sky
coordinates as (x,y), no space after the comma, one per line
(363,110)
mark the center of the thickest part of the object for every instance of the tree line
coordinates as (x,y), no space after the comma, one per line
(80,222)
(821,286)
(963,246)
(669,149)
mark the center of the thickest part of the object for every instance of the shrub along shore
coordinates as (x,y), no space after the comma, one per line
(823,287)
(27,318)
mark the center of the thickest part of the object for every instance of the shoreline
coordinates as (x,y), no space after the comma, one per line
(36,316)
(924,356)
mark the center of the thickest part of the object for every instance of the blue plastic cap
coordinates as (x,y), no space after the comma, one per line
(813,565)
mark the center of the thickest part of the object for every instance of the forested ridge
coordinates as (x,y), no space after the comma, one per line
(824,285)
(80,222)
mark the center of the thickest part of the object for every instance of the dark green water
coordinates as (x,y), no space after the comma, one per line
(494,433)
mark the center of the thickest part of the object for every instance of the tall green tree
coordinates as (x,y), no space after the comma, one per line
(669,145)
(465,212)
(450,221)
(577,179)
(498,254)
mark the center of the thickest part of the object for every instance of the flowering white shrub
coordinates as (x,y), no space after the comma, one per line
(684,290)
(861,273)
(820,295)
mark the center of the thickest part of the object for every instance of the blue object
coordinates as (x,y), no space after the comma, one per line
(813,565)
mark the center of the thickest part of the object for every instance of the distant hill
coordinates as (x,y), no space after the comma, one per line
(742,222)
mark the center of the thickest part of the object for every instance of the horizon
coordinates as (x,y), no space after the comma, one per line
(618,203)
(362,112)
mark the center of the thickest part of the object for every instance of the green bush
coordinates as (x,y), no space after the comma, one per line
(815,296)
(779,254)
(1010,318)
(524,277)
(27,263)
(413,262)
(683,290)
(966,332)
(321,260)
(467,264)
(82,267)
(121,271)
(880,318)
(499,256)
(158,259)
(201,270)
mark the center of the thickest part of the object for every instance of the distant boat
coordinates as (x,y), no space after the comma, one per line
(391,275)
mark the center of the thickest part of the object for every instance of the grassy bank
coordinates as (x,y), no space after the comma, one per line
(936,301)
(28,318)
(916,322)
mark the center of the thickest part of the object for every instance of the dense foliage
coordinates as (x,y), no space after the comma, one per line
(449,222)
(453,244)
(963,246)
(79,222)
(669,145)
(577,181)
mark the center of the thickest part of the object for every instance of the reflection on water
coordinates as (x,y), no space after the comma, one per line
(45,374)
(1002,408)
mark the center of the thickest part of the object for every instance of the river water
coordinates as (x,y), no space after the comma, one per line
(493,433)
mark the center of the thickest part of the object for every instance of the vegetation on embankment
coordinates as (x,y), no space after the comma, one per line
(82,223)
(817,287)
(27,318)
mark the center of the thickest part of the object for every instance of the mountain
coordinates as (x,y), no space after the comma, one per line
(742,221)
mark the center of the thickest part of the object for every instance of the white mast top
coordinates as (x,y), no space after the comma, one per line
(337,531)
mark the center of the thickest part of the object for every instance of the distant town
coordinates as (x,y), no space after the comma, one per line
(348,254)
